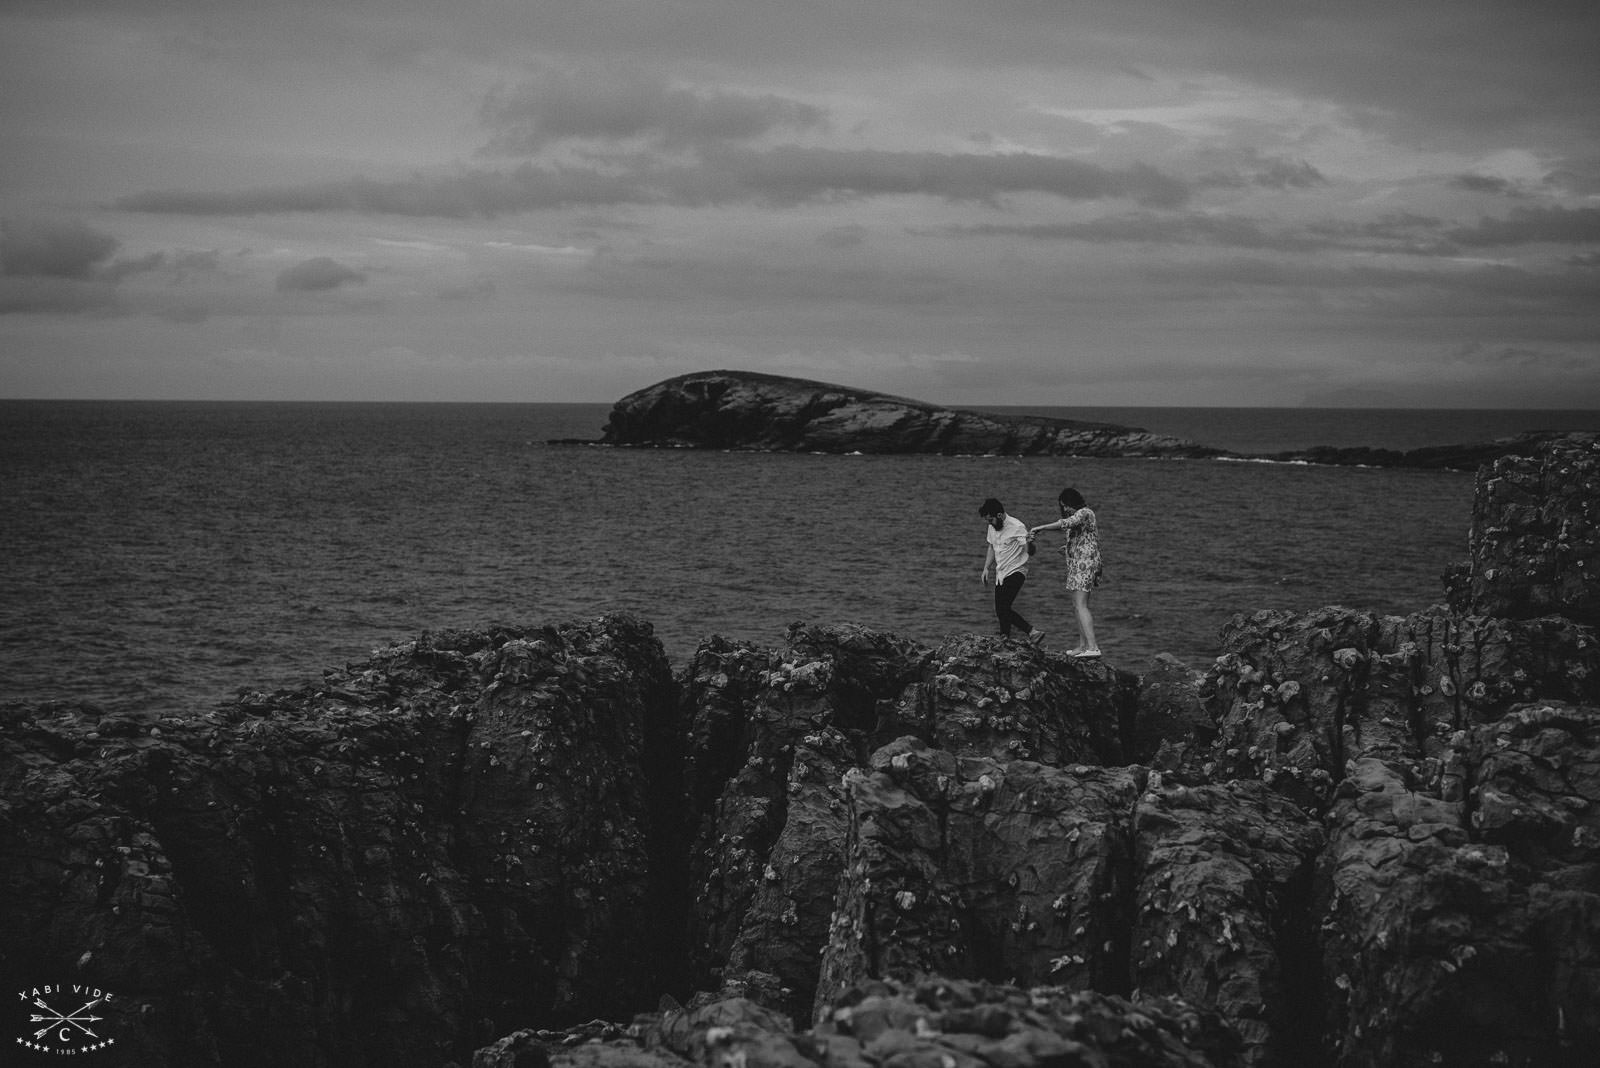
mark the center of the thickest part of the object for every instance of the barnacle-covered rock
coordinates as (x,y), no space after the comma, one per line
(771,846)
(1222,877)
(1296,696)
(1534,549)
(968,865)
(1014,701)
(1446,939)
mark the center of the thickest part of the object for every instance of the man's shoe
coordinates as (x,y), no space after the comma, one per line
(1036,636)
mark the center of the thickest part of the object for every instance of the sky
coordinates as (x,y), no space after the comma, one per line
(1044,202)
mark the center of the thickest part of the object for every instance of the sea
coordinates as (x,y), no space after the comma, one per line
(162,557)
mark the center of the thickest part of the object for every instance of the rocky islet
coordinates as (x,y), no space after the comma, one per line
(750,411)
(1352,840)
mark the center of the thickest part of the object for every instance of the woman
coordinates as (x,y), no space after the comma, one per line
(1083,563)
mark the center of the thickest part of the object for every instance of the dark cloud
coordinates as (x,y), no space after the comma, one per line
(197,262)
(1240,167)
(1288,174)
(65,267)
(787,175)
(1525,226)
(314,275)
(843,237)
(569,107)
(53,249)
(1222,231)
(42,294)
(793,174)
(1434,68)
(1552,306)
(1576,173)
(752,282)
(1402,233)
(1429,72)
(1484,183)
(120,269)
(1405,233)
(453,195)
(56,267)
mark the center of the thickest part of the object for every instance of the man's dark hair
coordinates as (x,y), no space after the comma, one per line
(990,506)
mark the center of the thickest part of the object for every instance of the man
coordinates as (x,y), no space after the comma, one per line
(1008,553)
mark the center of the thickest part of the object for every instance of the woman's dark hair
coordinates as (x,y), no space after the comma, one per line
(1071,498)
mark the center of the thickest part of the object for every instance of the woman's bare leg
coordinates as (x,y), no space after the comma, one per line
(1080,602)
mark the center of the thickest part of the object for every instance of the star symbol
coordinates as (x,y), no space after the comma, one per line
(67,1052)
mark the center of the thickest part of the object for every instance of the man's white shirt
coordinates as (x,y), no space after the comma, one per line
(1010,544)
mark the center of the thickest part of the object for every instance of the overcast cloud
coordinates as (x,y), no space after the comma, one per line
(1008,201)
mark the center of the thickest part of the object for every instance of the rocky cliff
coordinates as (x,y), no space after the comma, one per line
(1352,840)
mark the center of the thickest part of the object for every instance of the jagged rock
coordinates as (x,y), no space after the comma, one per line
(721,686)
(1171,723)
(1450,938)
(937,1021)
(791,902)
(728,1031)
(747,410)
(931,1023)
(1221,917)
(969,866)
(1535,542)
(432,847)
(1531,782)
(989,697)
(974,867)
(771,847)
(1297,695)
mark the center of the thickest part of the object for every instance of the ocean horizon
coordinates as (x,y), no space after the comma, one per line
(1253,428)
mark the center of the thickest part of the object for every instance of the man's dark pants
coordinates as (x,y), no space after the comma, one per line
(1005,593)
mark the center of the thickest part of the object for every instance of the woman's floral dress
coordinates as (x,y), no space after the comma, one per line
(1082,550)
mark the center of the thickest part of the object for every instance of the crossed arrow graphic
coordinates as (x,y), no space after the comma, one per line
(76,1019)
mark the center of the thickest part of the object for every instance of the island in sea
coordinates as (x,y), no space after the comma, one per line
(748,410)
